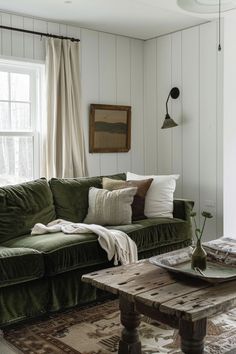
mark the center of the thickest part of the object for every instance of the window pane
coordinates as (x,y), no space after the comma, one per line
(20,87)
(4,116)
(16,159)
(20,116)
(4,88)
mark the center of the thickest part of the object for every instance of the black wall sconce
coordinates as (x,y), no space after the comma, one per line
(169,122)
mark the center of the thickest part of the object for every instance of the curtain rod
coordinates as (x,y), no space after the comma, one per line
(39,33)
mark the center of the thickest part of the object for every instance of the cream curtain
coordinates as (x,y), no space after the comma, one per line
(64,150)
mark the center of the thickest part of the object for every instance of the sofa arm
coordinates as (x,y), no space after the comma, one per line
(182,209)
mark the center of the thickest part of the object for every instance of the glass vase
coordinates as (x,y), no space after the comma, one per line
(199,257)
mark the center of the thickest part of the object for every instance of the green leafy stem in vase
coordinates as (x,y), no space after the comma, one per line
(198,230)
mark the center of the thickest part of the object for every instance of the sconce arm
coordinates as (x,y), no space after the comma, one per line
(167,103)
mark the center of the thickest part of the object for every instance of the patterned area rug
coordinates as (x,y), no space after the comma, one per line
(96,330)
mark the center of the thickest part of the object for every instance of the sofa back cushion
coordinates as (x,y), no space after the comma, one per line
(71,195)
(22,206)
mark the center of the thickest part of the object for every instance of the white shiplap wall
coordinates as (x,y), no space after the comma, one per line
(111,73)
(189,60)
(229,153)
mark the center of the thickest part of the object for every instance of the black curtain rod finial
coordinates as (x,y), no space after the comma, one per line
(42,34)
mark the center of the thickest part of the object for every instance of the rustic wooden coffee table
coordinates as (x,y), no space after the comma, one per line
(185,304)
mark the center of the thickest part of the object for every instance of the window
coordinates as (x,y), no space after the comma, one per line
(20,96)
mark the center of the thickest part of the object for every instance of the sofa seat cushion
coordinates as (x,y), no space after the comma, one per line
(153,233)
(66,252)
(63,252)
(22,206)
(18,265)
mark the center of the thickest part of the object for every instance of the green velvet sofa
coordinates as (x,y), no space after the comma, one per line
(40,274)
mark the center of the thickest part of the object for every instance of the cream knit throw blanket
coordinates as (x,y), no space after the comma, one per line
(115,242)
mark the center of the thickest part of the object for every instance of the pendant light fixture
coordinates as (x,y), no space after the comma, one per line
(169,122)
(210,9)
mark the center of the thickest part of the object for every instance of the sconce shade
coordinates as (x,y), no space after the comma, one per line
(168,122)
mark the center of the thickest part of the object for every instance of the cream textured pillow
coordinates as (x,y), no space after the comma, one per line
(160,196)
(110,208)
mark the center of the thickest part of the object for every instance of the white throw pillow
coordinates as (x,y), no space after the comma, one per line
(160,196)
(110,207)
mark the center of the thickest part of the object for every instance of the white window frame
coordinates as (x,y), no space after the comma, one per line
(36,73)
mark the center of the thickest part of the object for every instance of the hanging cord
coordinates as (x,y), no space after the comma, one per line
(219,45)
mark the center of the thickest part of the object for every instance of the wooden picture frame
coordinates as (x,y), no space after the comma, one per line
(109,128)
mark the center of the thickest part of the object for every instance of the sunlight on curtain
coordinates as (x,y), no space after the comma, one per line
(64,144)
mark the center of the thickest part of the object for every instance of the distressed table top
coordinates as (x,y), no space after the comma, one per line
(145,283)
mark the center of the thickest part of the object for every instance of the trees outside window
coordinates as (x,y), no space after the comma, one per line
(20,121)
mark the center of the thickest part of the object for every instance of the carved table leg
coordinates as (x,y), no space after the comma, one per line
(192,336)
(130,319)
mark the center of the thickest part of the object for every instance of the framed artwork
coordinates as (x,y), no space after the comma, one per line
(109,128)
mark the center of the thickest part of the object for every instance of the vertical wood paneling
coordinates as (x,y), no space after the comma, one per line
(150,106)
(137,94)
(28,42)
(176,110)
(63,30)
(6,35)
(108,90)
(208,123)
(123,93)
(219,154)
(229,124)
(73,31)
(0,35)
(107,61)
(53,27)
(39,43)
(190,71)
(17,37)
(188,60)
(90,90)
(164,136)
(194,148)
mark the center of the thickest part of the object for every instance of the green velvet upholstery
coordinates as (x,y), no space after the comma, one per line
(18,265)
(67,289)
(153,233)
(38,297)
(71,195)
(42,273)
(64,252)
(23,301)
(22,206)
(182,209)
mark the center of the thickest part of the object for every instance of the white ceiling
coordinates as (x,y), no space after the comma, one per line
(142,19)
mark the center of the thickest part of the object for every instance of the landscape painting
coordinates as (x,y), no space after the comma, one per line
(109,128)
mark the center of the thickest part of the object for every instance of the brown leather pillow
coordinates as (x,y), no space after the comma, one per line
(139,198)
